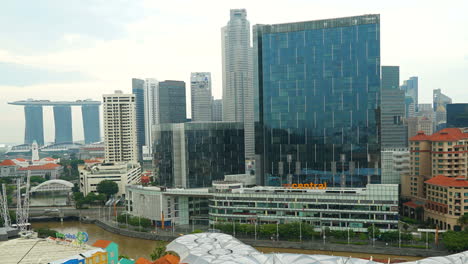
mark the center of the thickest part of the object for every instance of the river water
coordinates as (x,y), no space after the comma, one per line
(135,247)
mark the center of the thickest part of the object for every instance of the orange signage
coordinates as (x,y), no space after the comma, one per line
(306,186)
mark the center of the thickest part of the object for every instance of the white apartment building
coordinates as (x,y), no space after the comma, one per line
(121,173)
(395,162)
(120,137)
(200,87)
(151,117)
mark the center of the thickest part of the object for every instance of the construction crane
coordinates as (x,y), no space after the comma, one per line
(5,214)
(22,208)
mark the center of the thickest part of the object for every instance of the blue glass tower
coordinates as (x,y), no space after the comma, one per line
(63,124)
(139,91)
(34,130)
(317,101)
(91,124)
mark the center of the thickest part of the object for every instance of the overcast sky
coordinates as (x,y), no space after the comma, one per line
(78,49)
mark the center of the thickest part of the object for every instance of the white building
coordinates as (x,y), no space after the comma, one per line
(151,116)
(200,87)
(120,137)
(237,75)
(395,162)
(120,173)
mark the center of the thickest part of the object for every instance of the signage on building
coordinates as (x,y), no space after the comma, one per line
(311,185)
(80,237)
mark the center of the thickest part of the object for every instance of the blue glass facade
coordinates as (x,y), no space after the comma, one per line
(91,123)
(63,124)
(34,130)
(317,101)
(139,92)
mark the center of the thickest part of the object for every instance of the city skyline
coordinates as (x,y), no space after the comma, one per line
(86,61)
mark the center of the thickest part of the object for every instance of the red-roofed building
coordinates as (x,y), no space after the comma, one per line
(8,168)
(111,248)
(446,201)
(168,259)
(49,170)
(143,261)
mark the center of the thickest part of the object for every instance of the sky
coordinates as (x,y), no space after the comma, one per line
(79,49)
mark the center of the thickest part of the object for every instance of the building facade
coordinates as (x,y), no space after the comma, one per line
(440,99)
(192,155)
(120,129)
(172,104)
(393,129)
(410,87)
(121,173)
(139,92)
(200,87)
(237,75)
(395,164)
(217,110)
(63,123)
(457,115)
(334,208)
(318,101)
(91,123)
(419,123)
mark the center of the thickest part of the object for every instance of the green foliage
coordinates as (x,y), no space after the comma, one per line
(12,218)
(373,231)
(70,168)
(45,232)
(393,236)
(363,236)
(123,257)
(158,251)
(409,246)
(196,231)
(76,188)
(37,179)
(455,241)
(134,220)
(107,187)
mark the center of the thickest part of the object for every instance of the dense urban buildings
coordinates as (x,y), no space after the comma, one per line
(457,115)
(120,130)
(217,110)
(440,99)
(438,160)
(317,101)
(200,87)
(237,75)
(171,103)
(393,129)
(418,123)
(34,128)
(192,155)
(411,90)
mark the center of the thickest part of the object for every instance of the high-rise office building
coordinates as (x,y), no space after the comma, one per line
(217,110)
(194,154)
(200,87)
(440,99)
(411,90)
(171,103)
(395,164)
(237,75)
(120,129)
(318,100)
(139,92)
(151,115)
(394,130)
(457,115)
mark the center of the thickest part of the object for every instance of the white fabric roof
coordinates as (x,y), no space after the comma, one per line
(217,248)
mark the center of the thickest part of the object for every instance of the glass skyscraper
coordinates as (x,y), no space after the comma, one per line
(317,101)
(139,92)
(172,104)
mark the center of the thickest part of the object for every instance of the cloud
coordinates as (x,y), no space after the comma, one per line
(23,75)
(43,26)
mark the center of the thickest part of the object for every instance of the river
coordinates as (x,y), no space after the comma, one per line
(135,247)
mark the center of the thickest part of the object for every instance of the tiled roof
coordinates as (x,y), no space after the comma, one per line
(441,180)
(102,243)
(167,259)
(143,261)
(48,159)
(412,204)
(21,159)
(49,166)
(7,163)
(446,134)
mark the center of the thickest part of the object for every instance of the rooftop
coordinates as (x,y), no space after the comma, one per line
(441,180)
(102,243)
(48,166)
(7,163)
(56,103)
(446,134)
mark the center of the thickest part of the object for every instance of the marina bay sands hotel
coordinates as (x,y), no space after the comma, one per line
(34,128)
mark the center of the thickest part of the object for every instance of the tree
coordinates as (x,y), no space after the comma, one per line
(158,251)
(456,241)
(463,221)
(108,188)
(37,179)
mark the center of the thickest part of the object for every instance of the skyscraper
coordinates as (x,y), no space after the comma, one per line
(151,115)
(139,92)
(237,75)
(63,124)
(91,123)
(171,103)
(200,87)
(318,100)
(411,90)
(34,130)
(217,110)
(120,129)
(394,131)
(457,115)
